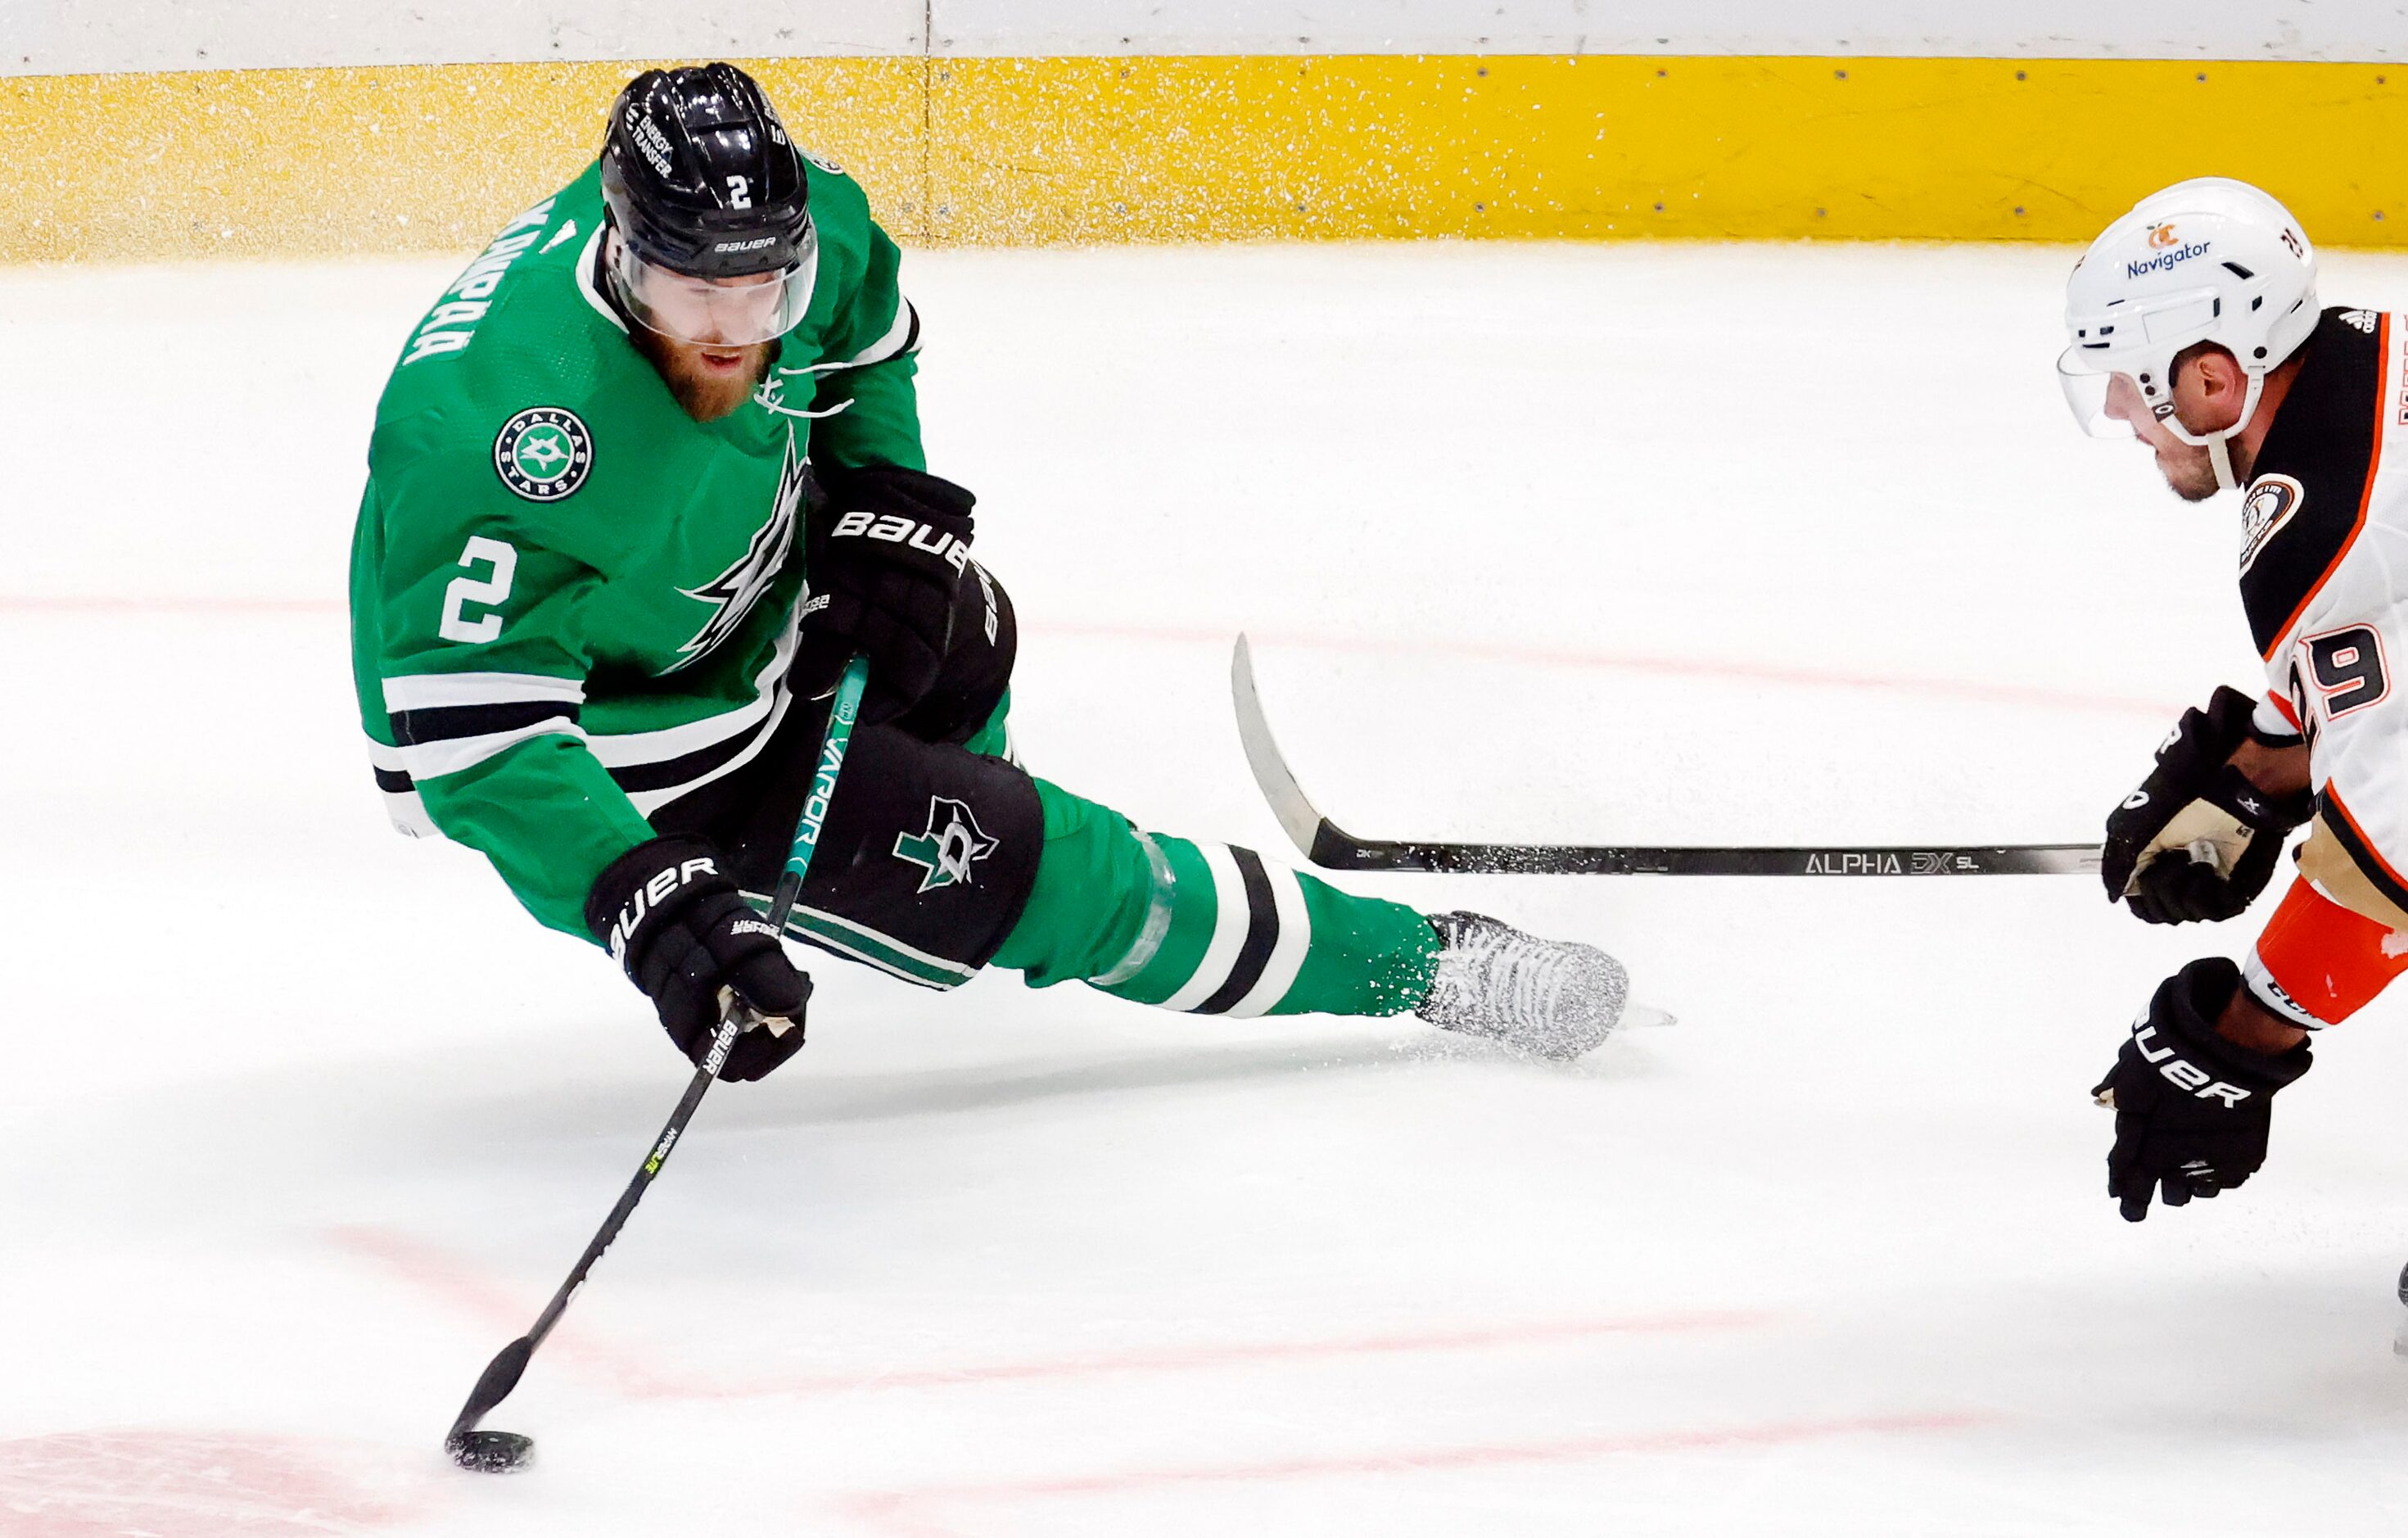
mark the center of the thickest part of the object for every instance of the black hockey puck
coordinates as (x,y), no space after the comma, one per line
(492,1452)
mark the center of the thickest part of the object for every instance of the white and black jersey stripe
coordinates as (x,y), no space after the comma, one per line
(400,793)
(1260,933)
(445,723)
(901,337)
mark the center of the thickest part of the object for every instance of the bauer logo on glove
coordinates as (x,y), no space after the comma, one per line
(884,559)
(895,529)
(2184,1131)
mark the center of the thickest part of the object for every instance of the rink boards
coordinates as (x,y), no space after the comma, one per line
(1014,150)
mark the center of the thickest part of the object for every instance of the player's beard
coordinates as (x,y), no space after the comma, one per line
(706,393)
(2191,474)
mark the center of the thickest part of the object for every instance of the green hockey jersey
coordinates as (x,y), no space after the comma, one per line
(571,603)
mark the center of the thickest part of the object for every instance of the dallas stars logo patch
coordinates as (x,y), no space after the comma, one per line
(543,453)
(734,591)
(952,845)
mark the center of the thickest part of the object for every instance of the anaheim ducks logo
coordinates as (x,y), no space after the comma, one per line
(2273,500)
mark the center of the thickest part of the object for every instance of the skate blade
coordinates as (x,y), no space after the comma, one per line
(1636,1016)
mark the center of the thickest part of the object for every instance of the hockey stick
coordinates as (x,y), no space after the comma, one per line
(1332,848)
(499,1452)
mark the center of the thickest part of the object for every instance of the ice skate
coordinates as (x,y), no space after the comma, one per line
(1548,997)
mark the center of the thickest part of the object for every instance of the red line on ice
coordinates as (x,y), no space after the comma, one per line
(1526,655)
(1187,1359)
(109,1482)
(910,1510)
(431,1270)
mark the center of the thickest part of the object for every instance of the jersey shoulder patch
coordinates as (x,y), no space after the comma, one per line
(544,453)
(2306,503)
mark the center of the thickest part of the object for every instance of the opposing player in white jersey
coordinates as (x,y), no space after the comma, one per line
(2195,327)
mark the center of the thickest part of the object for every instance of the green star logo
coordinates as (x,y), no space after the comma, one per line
(952,843)
(543,453)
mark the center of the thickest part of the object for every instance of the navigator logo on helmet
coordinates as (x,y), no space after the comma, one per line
(2209,260)
(712,240)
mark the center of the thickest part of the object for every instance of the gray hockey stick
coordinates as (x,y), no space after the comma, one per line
(1332,848)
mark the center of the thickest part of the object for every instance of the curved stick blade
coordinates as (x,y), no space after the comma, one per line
(494,1385)
(1289,804)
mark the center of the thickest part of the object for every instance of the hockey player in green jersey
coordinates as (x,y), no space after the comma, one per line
(643,480)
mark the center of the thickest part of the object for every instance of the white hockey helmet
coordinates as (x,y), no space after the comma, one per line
(2208,259)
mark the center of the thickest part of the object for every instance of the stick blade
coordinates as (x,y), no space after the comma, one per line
(493,1385)
(492,1452)
(1295,810)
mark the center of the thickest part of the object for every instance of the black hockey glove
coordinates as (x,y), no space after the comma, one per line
(683,933)
(2192,1109)
(884,559)
(2194,794)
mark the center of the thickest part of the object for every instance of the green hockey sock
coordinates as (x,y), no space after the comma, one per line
(1207,928)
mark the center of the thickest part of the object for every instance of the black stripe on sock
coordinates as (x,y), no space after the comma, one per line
(445,723)
(1262,936)
(391,780)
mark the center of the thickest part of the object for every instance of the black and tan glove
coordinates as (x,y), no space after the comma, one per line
(2198,839)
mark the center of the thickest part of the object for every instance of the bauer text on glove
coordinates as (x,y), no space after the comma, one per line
(2192,1107)
(684,933)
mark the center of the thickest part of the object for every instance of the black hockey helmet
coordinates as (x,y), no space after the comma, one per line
(700,176)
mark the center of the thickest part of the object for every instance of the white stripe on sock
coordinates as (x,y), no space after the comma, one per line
(1229,919)
(1287,952)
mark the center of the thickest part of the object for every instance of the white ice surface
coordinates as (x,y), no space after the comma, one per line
(1652,542)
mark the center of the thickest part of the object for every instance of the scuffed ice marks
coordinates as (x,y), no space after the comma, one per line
(170,1483)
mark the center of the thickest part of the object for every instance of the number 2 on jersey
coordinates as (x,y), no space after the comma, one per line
(487,592)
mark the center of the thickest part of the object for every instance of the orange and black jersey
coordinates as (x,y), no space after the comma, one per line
(2308,497)
(2324,579)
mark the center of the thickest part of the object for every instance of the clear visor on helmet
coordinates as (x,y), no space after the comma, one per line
(2111,403)
(2120,370)
(710,311)
(2104,404)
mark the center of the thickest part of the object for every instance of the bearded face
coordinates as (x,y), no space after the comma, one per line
(710,382)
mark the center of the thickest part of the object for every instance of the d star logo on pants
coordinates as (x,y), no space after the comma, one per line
(952,842)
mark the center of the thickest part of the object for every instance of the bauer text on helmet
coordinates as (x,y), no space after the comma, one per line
(712,240)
